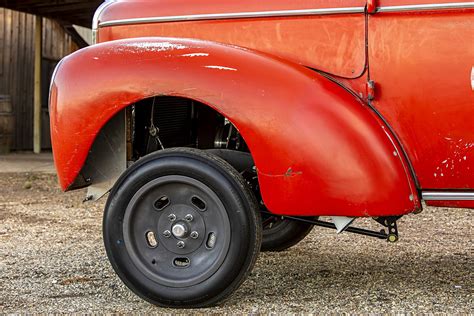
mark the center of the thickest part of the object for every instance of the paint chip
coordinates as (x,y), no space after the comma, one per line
(195,55)
(149,47)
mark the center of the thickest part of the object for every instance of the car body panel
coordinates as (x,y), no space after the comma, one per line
(422,65)
(318,149)
(386,3)
(418,55)
(456,204)
(316,40)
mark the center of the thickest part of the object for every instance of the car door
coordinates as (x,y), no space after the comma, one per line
(421,58)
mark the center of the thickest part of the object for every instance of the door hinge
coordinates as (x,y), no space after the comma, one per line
(371,90)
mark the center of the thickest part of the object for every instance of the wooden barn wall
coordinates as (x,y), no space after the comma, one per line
(17,67)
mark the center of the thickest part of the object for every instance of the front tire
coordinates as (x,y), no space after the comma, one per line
(181,228)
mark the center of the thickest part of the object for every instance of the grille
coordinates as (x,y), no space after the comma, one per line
(172,115)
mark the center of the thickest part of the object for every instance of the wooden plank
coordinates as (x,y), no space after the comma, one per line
(46,37)
(13,91)
(17,61)
(5,84)
(54,39)
(74,12)
(37,93)
(24,68)
(29,79)
(2,41)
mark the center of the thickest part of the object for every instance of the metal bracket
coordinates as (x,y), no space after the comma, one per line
(371,90)
(107,158)
(389,222)
(355,230)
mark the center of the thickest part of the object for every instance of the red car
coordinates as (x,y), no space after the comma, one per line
(222,128)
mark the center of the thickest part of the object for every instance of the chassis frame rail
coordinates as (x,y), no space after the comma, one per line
(389,222)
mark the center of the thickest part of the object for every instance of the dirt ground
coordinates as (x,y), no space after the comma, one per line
(52,260)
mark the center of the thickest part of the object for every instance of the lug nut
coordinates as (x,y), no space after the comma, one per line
(180,244)
(172,217)
(189,217)
(167,233)
(194,235)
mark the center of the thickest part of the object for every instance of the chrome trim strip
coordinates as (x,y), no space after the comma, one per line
(264,14)
(425,7)
(95,19)
(448,196)
(236,15)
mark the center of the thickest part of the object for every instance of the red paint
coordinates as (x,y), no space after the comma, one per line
(457,204)
(371,6)
(339,158)
(383,3)
(142,9)
(287,38)
(422,64)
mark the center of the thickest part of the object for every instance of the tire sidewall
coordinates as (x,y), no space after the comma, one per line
(287,234)
(238,205)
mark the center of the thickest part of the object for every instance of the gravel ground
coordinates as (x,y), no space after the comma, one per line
(52,260)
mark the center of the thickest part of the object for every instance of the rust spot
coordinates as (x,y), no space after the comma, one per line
(290,173)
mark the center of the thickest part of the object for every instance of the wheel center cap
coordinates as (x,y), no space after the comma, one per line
(179,230)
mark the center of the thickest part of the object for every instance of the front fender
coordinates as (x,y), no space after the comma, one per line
(318,149)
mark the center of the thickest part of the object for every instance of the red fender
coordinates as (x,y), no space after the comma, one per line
(318,149)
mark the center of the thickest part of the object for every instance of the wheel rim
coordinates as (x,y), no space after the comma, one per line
(271,223)
(176,231)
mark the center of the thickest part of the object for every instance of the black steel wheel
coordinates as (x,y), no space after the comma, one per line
(181,228)
(280,234)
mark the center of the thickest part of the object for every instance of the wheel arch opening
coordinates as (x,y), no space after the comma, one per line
(156,123)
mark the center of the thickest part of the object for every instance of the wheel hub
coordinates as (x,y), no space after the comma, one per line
(181,235)
(179,230)
(175,230)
